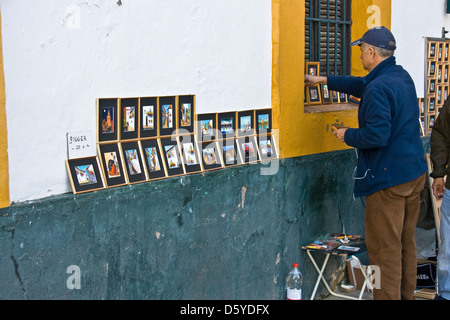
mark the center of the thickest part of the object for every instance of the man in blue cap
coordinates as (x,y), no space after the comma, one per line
(391,163)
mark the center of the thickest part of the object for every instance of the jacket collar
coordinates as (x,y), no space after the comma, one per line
(379,69)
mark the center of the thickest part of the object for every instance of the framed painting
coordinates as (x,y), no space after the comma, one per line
(148,117)
(343,98)
(167,115)
(314,96)
(132,159)
(313,68)
(206,127)
(129,108)
(326,96)
(439,47)
(186,112)
(267,148)
(431,104)
(172,157)
(246,123)
(248,149)
(151,151)
(431,86)
(431,69)
(112,164)
(263,121)
(85,174)
(189,152)
(230,154)
(334,96)
(226,125)
(107,120)
(432,50)
(210,155)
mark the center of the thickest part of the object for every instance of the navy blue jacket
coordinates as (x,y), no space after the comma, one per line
(390,151)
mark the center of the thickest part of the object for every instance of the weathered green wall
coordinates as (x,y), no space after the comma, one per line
(226,234)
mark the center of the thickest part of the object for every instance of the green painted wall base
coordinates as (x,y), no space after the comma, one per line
(226,234)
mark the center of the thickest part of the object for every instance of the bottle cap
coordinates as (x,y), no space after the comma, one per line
(295,265)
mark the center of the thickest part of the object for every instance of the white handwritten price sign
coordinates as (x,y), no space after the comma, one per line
(80,145)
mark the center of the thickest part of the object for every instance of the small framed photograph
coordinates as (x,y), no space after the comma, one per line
(432,50)
(445,93)
(107,120)
(148,116)
(172,157)
(132,158)
(186,112)
(248,149)
(431,86)
(353,99)
(263,121)
(267,148)
(440,53)
(85,174)
(326,96)
(151,151)
(226,125)
(206,127)
(334,96)
(211,155)
(129,118)
(440,73)
(189,152)
(314,96)
(439,100)
(446,49)
(446,74)
(431,120)
(431,104)
(112,164)
(230,154)
(313,68)
(167,115)
(421,103)
(431,69)
(246,123)
(343,98)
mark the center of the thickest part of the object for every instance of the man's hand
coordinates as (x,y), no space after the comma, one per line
(438,187)
(340,134)
(313,80)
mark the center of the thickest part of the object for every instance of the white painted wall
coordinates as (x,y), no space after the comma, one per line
(412,21)
(61,55)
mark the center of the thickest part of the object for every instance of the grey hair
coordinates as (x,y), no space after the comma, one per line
(384,53)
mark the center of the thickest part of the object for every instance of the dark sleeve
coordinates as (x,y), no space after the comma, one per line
(346,84)
(440,142)
(377,127)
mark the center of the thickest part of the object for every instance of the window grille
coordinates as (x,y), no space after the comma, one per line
(327,35)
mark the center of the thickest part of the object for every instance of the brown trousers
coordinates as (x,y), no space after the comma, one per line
(391,219)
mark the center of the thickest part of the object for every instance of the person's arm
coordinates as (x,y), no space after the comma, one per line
(440,148)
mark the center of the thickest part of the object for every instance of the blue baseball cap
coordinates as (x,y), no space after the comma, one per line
(379,37)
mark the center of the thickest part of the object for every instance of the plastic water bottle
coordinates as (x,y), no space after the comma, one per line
(294,282)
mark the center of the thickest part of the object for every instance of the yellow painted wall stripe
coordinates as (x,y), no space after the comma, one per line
(4,171)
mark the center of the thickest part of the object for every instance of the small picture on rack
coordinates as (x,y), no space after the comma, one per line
(206,126)
(343,97)
(111,161)
(226,124)
(186,114)
(263,121)
(148,117)
(85,174)
(313,68)
(326,96)
(210,155)
(230,152)
(129,128)
(431,69)
(172,157)
(314,95)
(167,115)
(133,163)
(152,158)
(108,120)
(431,50)
(335,96)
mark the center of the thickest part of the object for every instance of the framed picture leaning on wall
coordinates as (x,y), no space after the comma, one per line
(148,117)
(85,174)
(186,112)
(129,110)
(132,158)
(152,158)
(167,116)
(107,120)
(112,164)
